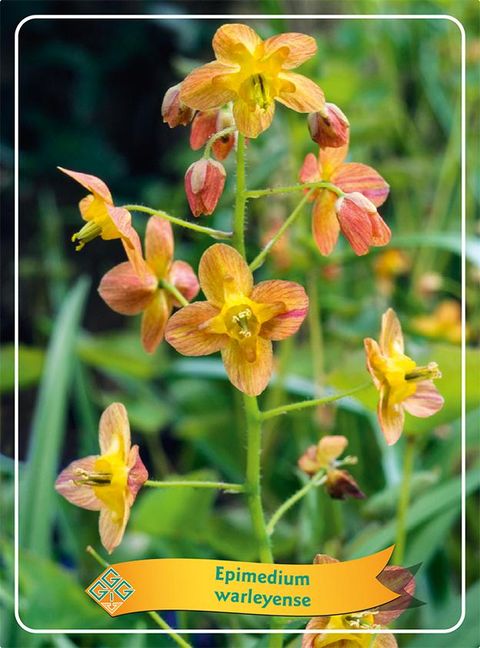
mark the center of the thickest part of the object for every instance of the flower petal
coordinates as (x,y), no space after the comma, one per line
(310,171)
(80,495)
(114,431)
(203,88)
(330,159)
(355,224)
(184,279)
(329,448)
(385,641)
(354,176)
(154,320)
(391,336)
(252,122)
(185,333)
(222,267)
(137,474)
(306,96)
(159,245)
(401,581)
(390,417)
(121,227)
(112,527)
(313,640)
(325,225)
(232,41)
(295,301)
(204,125)
(251,378)
(294,48)
(124,291)
(425,402)
(381,233)
(372,354)
(92,183)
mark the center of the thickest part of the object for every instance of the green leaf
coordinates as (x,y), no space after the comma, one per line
(30,366)
(37,493)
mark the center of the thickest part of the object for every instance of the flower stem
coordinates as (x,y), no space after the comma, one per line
(252,482)
(225,486)
(260,258)
(293,407)
(404,500)
(258,193)
(240,198)
(153,615)
(216,234)
(217,136)
(316,480)
(169,287)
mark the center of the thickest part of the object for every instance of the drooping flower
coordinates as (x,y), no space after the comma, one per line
(129,293)
(324,456)
(253,74)
(108,482)
(239,319)
(445,323)
(204,183)
(330,128)
(352,178)
(174,111)
(206,124)
(398,580)
(403,385)
(103,218)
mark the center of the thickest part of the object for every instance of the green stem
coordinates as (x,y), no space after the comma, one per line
(259,259)
(252,481)
(293,407)
(216,234)
(316,480)
(225,486)
(217,136)
(153,615)
(240,198)
(404,500)
(169,287)
(258,193)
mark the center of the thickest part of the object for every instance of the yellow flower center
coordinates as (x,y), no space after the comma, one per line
(241,322)
(256,91)
(88,232)
(402,373)
(362,620)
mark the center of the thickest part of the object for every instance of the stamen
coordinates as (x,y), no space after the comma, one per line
(86,478)
(241,319)
(88,232)
(430,372)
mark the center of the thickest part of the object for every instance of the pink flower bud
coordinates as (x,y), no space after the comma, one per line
(174,111)
(329,129)
(204,182)
(360,222)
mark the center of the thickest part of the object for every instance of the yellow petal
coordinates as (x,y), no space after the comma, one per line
(249,377)
(391,337)
(295,306)
(92,183)
(391,417)
(330,160)
(325,225)
(112,527)
(187,334)
(373,355)
(305,96)
(114,431)
(223,269)
(154,320)
(252,122)
(79,494)
(203,89)
(293,48)
(159,245)
(233,43)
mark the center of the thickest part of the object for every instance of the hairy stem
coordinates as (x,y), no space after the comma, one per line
(258,193)
(169,287)
(224,486)
(404,500)
(217,136)
(240,198)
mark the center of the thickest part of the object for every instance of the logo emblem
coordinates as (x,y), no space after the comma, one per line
(110,590)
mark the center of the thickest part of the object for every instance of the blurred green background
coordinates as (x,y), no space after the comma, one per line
(90,96)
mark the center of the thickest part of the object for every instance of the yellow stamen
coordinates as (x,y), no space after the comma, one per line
(88,232)
(86,478)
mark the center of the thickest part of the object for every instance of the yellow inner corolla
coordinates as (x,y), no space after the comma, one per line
(402,373)
(362,620)
(99,223)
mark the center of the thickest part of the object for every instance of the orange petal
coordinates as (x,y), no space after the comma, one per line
(159,245)
(355,222)
(329,448)
(223,268)
(306,96)
(310,171)
(325,225)
(233,42)
(385,640)
(390,417)
(204,125)
(92,183)
(251,378)
(112,527)
(373,353)
(203,89)
(308,461)
(124,291)
(137,474)
(330,159)
(391,336)
(295,301)
(80,495)
(252,122)
(425,402)
(185,333)
(184,279)
(293,48)
(154,320)
(114,430)
(318,623)
(354,176)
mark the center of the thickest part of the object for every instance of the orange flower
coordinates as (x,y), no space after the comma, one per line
(253,74)
(444,323)
(239,319)
(108,483)
(353,178)
(401,383)
(103,218)
(130,293)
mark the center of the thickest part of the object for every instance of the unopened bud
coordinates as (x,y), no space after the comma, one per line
(329,129)
(340,484)
(204,182)
(174,111)
(360,222)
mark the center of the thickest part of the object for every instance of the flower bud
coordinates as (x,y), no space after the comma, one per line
(329,129)
(360,222)
(204,182)
(340,484)
(174,111)
(223,145)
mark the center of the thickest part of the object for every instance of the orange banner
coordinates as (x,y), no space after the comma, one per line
(243,587)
